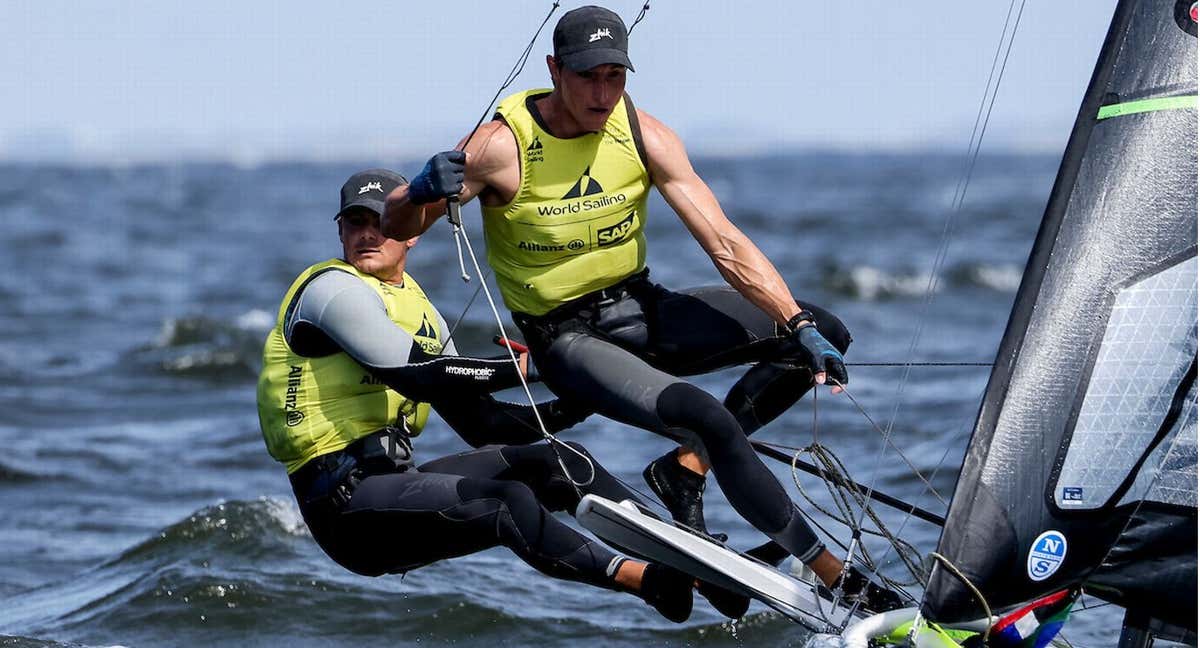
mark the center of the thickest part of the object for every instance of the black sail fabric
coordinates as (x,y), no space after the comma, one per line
(1082,465)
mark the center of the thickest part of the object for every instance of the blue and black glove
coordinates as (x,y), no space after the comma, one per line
(442,177)
(807,346)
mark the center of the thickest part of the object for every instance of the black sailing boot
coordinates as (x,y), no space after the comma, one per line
(680,489)
(683,491)
(731,604)
(668,590)
(855,586)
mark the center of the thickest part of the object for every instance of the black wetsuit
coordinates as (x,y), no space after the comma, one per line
(377,514)
(395,521)
(621,351)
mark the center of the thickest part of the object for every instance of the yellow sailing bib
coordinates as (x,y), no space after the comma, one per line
(308,407)
(575,223)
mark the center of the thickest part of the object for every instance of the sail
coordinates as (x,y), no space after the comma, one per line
(1082,465)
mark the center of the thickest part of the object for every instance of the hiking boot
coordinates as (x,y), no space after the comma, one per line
(681,490)
(856,587)
(731,604)
(668,590)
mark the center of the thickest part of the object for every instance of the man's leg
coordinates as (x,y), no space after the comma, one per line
(704,329)
(536,465)
(623,387)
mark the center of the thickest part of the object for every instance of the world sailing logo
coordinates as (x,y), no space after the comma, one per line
(533,152)
(585,186)
(1046,555)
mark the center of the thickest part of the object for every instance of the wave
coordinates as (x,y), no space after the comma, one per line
(14,475)
(872,284)
(208,348)
(869,283)
(1002,278)
(247,528)
(8,641)
(216,574)
(209,559)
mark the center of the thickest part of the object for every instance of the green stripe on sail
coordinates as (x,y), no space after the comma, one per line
(1146,105)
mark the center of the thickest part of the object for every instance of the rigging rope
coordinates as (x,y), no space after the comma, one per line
(983,116)
(987,609)
(638,19)
(461,239)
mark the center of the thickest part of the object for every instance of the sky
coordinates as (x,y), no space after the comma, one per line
(247,82)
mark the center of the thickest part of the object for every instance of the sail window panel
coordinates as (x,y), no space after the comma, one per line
(1169,476)
(1148,346)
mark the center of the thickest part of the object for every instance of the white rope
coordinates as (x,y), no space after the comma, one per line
(460,232)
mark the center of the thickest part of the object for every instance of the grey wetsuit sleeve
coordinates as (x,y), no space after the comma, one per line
(344,308)
(336,311)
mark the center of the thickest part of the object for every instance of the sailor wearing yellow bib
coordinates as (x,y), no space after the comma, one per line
(357,358)
(563,175)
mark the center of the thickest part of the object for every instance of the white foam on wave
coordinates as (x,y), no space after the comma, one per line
(871,283)
(286,513)
(168,333)
(255,320)
(1005,278)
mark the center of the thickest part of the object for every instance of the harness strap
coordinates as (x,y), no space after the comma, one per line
(332,477)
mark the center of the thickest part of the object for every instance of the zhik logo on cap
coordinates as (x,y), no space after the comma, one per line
(377,186)
(600,33)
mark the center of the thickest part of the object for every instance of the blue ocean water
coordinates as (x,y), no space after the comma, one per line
(140,507)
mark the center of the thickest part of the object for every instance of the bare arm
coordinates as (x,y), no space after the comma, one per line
(736,257)
(491,163)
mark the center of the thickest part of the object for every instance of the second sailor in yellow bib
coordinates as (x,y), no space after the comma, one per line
(355,362)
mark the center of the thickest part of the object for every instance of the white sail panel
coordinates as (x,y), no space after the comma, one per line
(1170,475)
(1148,345)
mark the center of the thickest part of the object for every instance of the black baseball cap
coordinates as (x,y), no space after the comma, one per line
(591,36)
(369,189)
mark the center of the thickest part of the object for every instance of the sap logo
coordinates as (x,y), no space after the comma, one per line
(615,233)
(600,33)
(1046,555)
(371,186)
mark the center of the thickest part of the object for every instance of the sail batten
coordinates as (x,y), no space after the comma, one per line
(1077,471)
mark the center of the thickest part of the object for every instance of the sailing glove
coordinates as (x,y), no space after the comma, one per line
(442,177)
(808,346)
